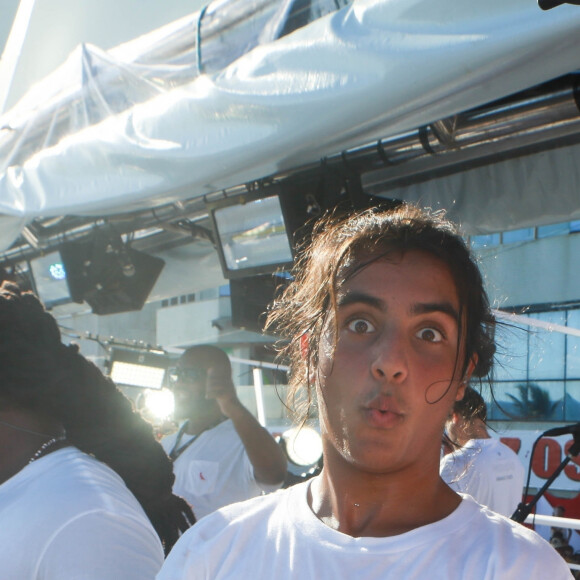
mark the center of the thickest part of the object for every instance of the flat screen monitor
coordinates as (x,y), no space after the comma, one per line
(252,236)
(50,278)
(251,296)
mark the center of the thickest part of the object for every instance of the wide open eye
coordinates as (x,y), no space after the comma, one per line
(360,326)
(430,335)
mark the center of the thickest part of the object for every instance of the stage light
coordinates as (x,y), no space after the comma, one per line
(134,368)
(159,405)
(108,274)
(303,445)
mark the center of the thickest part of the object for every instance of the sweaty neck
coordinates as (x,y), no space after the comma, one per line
(380,505)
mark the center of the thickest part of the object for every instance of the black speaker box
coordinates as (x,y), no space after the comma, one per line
(110,278)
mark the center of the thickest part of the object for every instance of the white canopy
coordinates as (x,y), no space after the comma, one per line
(369,71)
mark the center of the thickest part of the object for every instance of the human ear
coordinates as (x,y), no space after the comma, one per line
(466,378)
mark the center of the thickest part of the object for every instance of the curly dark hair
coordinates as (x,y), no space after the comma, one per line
(40,373)
(343,245)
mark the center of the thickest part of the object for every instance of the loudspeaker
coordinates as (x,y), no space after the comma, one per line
(250,298)
(107,274)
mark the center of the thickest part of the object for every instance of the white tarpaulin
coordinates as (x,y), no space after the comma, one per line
(368,71)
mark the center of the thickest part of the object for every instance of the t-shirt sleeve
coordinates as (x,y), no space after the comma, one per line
(104,546)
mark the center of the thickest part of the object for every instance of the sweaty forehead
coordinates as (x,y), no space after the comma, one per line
(419,278)
(362,259)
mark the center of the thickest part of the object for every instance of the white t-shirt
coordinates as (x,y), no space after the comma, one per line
(278,536)
(215,470)
(67,516)
(487,470)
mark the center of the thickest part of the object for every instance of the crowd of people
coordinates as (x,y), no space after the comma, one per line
(385,326)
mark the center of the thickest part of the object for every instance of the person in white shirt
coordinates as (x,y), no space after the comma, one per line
(221,454)
(480,465)
(85,488)
(384,324)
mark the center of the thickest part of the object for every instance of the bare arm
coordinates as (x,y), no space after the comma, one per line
(265,454)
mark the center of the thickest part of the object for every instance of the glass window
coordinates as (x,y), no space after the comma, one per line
(572,401)
(502,406)
(522,235)
(549,403)
(529,401)
(554,230)
(485,240)
(511,359)
(208,294)
(547,348)
(573,347)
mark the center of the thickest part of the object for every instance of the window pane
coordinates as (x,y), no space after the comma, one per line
(547,348)
(572,401)
(573,347)
(485,240)
(502,406)
(523,235)
(539,401)
(511,359)
(548,401)
(553,230)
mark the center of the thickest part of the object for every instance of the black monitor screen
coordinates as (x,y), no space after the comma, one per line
(250,298)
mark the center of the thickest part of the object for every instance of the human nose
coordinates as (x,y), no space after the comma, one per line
(389,357)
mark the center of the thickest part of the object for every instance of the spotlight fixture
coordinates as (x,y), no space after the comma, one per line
(134,368)
(107,273)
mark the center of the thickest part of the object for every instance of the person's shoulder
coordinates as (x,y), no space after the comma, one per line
(256,507)
(253,512)
(506,449)
(77,480)
(209,542)
(455,461)
(510,546)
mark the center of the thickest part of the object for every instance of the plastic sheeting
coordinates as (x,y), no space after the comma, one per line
(368,71)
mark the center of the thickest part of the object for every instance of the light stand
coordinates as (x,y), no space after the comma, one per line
(523,510)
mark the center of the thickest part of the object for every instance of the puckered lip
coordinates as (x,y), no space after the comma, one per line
(382,413)
(384,404)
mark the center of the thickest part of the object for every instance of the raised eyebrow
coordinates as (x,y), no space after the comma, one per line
(429,307)
(421,308)
(360,298)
